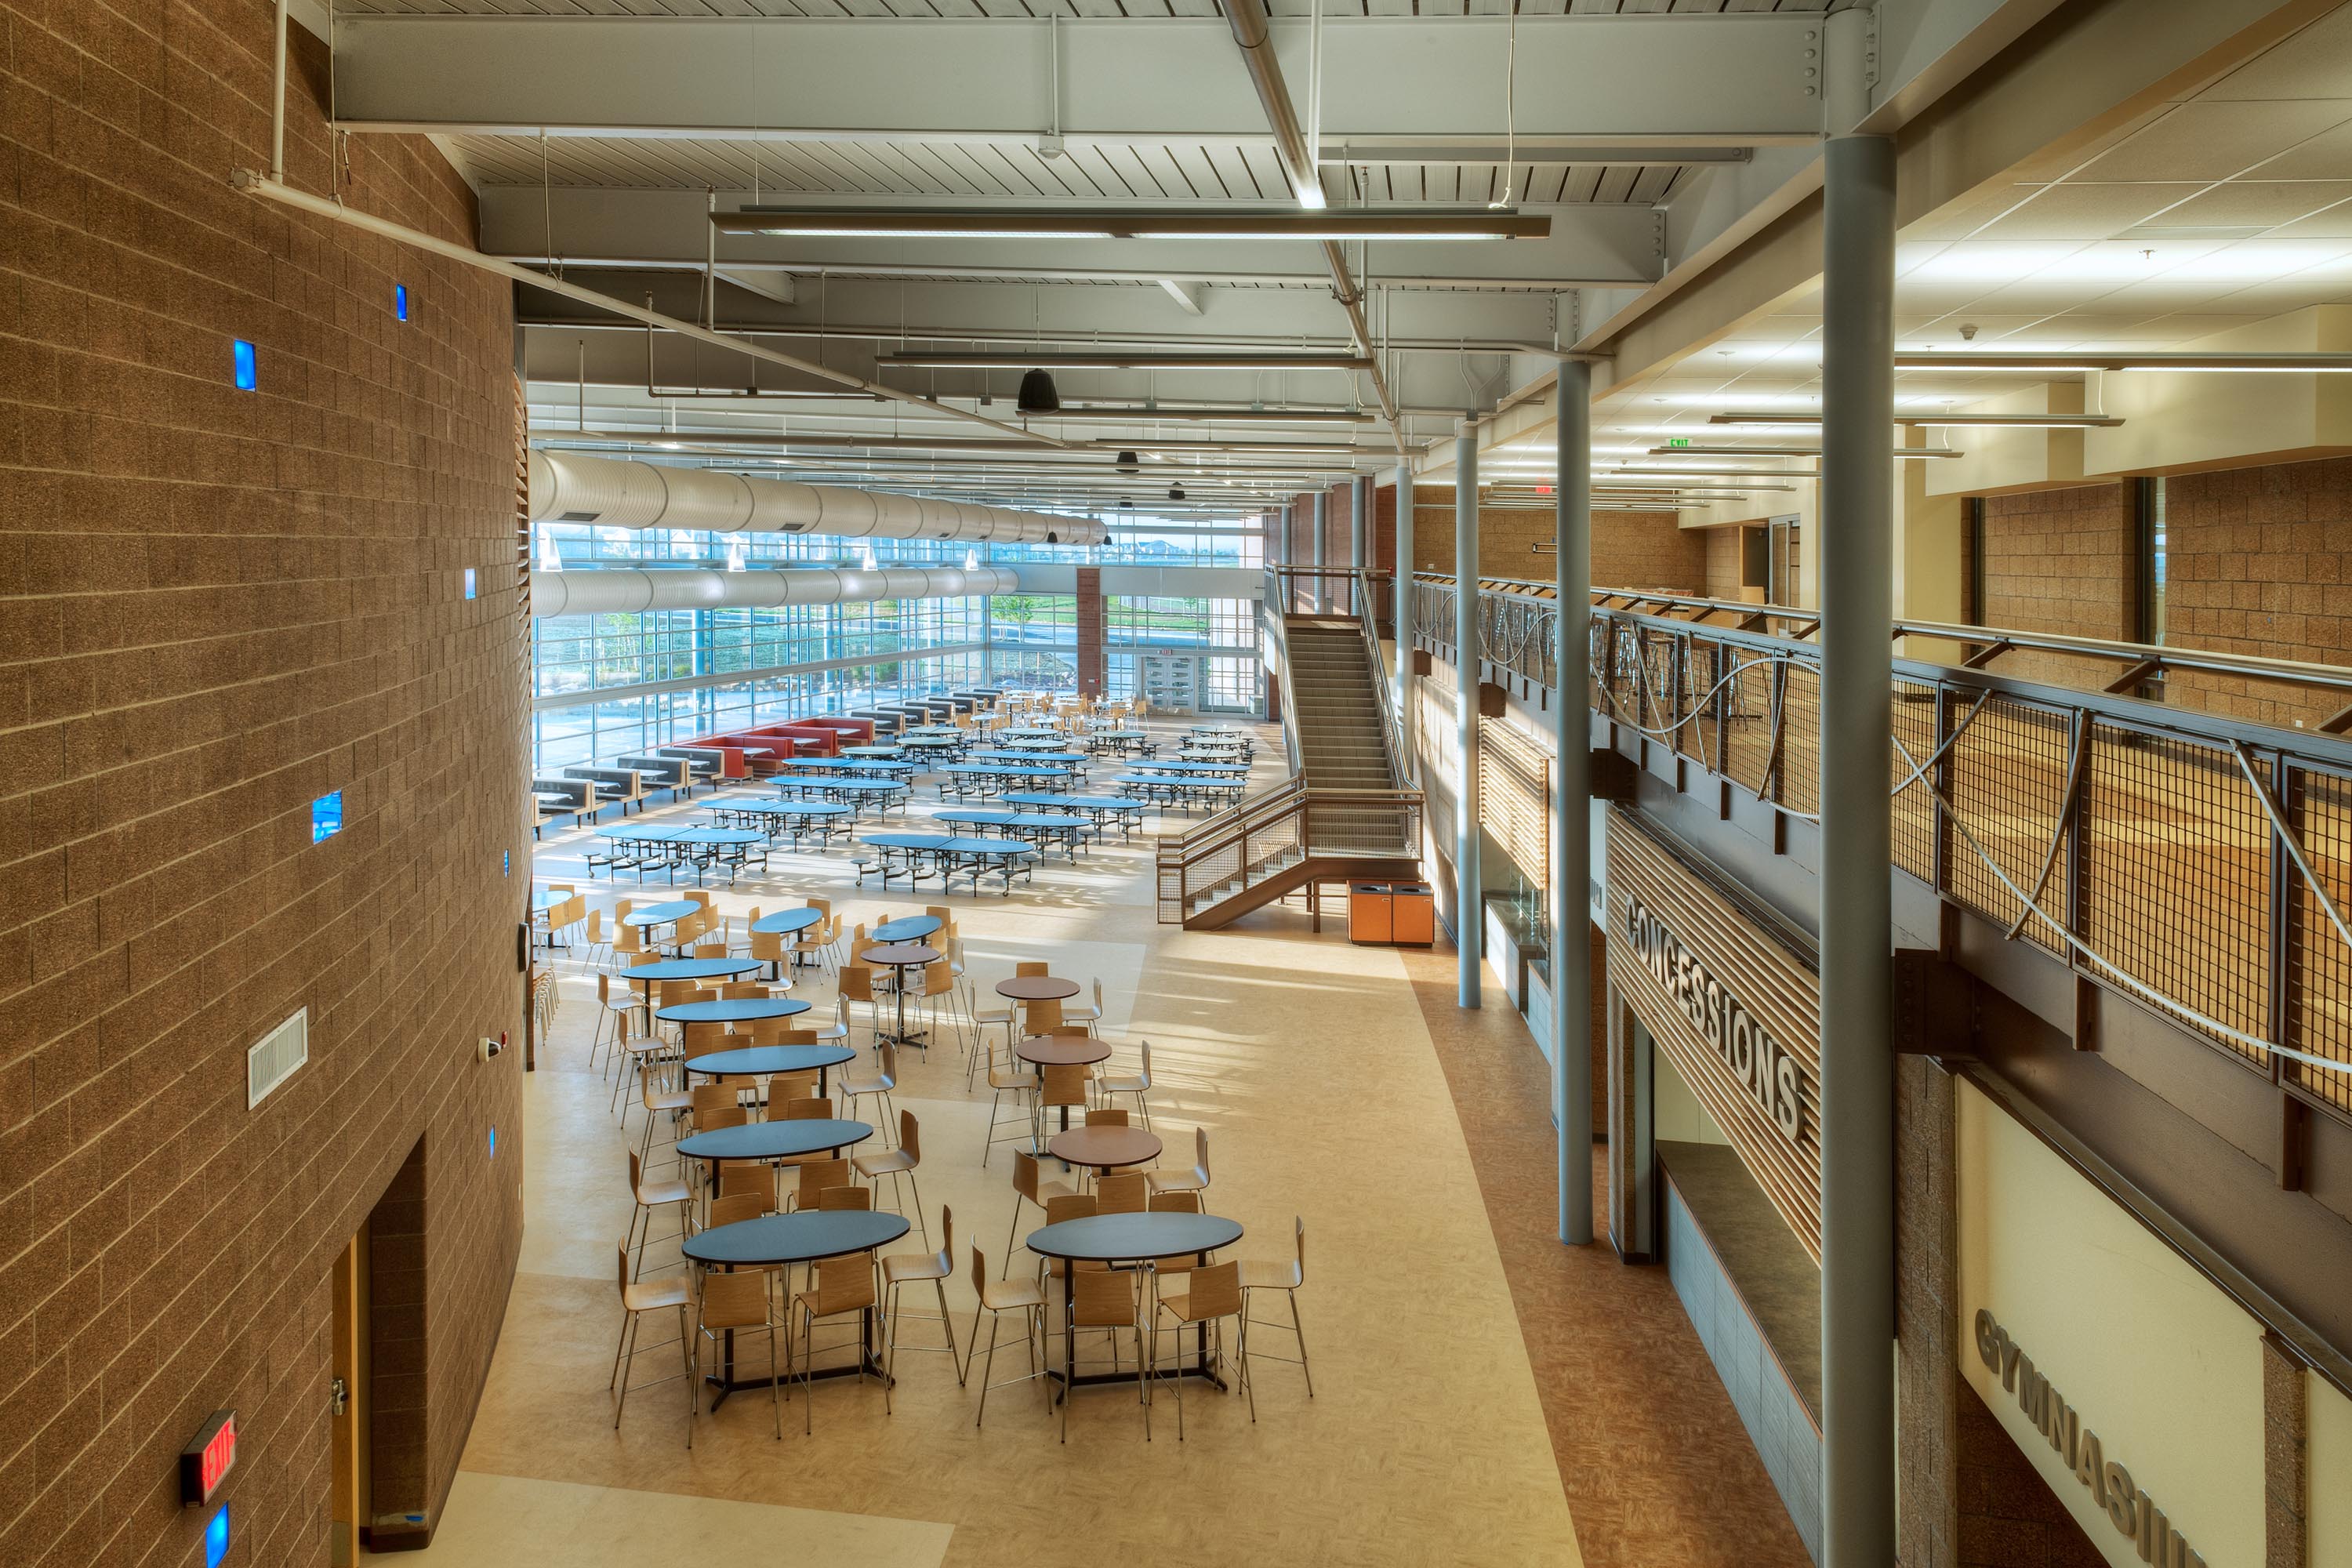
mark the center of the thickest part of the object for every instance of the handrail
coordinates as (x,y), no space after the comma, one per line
(1390,737)
(1274,606)
(2082,821)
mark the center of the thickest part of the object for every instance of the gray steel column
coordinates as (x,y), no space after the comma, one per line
(1857,1110)
(1404,584)
(1469,893)
(1320,599)
(1359,505)
(1571,847)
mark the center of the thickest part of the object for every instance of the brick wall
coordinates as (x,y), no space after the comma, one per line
(1725,565)
(219,605)
(2060,560)
(1090,616)
(1629,549)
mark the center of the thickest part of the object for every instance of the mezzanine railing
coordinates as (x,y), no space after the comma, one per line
(2195,857)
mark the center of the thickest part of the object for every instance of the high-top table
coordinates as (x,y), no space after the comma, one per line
(733,1010)
(1131,1239)
(809,1236)
(767,1062)
(908,927)
(902,956)
(1062,1051)
(645,974)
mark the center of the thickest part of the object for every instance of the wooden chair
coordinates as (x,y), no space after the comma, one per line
(875,1085)
(1192,1181)
(1088,1014)
(1018,1081)
(738,1303)
(833,1200)
(1211,1296)
(651,1195)
(996,1297)
(1061,1086)
(901,1268)
(1138,1084)
(816,1177)
(1104,1116)
(898,1164)
(1285,1275)
(1107,1298)
(844,1288)
(1029,1182)
(638,1299)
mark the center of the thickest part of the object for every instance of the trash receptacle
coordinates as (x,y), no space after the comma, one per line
(1369,919)
(1413,915)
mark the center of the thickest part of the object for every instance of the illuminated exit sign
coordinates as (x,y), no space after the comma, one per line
(207,1459)
(1678,441)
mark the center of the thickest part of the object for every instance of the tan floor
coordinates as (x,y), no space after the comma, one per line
(1310,1065)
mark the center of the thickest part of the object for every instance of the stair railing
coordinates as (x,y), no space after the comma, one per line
(1242,845)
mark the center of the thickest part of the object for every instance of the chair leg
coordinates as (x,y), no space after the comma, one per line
(947,1325)
(629,1332)
(693,1393)
(1301,1334)
(988,1367)
(1247,1386)
(775,1406)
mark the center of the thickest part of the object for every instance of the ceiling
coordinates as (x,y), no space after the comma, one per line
(1031,10)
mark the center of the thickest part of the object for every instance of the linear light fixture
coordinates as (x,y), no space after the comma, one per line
(1132,223)
(1951,421)
(1600,474)
(2064,359)
(1113,359)
(1147,412)
(1731,451)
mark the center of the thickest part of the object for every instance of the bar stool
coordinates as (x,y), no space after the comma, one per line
(1192,1181)
(738,1303)
(1211,1295)
(998,1297)
(898,1163)
(1107,1300)
(638,1299)
(649,1197)
(844,1289)
(1029,1182)
(901,1268)
(877,1087)
(1138,1084)
(1286,1276)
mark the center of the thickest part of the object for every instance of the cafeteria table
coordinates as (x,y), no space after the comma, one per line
(1128,1239)
(787,922)
(668,911)
(908,927)
(901,956)
(1104,809)
(1063,1050)
(778,1240)
(645,974)
(767,1062)
(976,857)
(886,792)
(815,818)
(733,1010)
(902,855)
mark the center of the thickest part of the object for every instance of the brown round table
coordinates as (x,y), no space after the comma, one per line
(1037,988)
(1062,1051)
(1104,1148)
(902,956)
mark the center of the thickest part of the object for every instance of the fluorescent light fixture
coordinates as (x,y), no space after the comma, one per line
(1310,196)
(1111,359)
(2061,361)
(1134,222)
(1953,421)
(1727,451)
(1146,413)
(1600,474)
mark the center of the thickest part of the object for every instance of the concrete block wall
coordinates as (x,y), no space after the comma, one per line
(216,605)
(1629,549)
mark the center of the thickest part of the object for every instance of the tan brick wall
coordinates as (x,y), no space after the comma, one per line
(2060,560)
(218,606)
(1723,561)
(1629,549)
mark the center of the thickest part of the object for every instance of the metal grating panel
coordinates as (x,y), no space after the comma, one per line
(2319,961)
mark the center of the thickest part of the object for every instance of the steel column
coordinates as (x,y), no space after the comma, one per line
(1571,851)
(1359,501)
(1857,1110)
(1412,759)
(1469,893)
(1319,597)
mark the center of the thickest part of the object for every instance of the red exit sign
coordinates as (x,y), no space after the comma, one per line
(207,1459)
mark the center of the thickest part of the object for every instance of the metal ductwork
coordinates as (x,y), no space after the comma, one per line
(625,590)
(610,492)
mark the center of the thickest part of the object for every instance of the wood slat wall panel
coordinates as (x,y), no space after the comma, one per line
(1515,792)
(1778,984)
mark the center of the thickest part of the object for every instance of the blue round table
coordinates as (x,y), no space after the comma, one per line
(807,1237)
(966,816)
(1131,1239)
(766,1061)
(660,914)
(691,969)
(911,928)
(733,1010)
(774,1139)
(786,921)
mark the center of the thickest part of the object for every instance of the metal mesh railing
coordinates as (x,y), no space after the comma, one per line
(2200,864)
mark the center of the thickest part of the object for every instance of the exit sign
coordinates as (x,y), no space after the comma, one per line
(207,1459)
(1678,441)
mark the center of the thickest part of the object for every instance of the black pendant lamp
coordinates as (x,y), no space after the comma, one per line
(1175,492)
(1128,464)
(1037,394)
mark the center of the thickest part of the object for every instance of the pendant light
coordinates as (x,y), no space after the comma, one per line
(1128,464)
(1037,394)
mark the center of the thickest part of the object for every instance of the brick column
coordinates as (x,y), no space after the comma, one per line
(2286,1432)
(1926,1287)
(1090,632)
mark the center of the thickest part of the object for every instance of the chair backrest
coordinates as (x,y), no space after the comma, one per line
(1024,1175)
(1103,1299)
(621,907)
(762,1032)
(638,1172)
(842,1285)
(1147,1064)
(710,1097)
(1071,1206)
(1216,1291)
(889,1054)
(910,1136)
(976,1273)
(1044,1016)
(1200,1153)
(1176,1203)
(702,1039)
(767,945)
(846,1198)
(744,1178)
(712,1121)
(822,906)
(979,1271)
(1110,1117)
(701,896)
(1299,1227)
(809,1109)
(790,1086)
(1065,1084)
(709,949)
(734,1210)
(819,1174)
(945,1258)
(743,990)
(734,1301)
(857,983)
(1030,967)
(938,978)
(596,925)
(792,1034)
(1122,1193)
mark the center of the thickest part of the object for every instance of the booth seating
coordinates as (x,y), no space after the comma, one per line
(711,763)
(622,785)
(563,797)
(663,773)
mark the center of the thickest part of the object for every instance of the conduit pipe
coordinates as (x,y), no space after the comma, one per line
(610,492)
(627,590)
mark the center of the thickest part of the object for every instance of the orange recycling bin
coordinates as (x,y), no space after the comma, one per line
(1413,915)
(1367,913)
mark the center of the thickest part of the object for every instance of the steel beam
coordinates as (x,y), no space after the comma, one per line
(1716,80)
(1410,761)
(1857,1109)
(1469,891)
(1571,857)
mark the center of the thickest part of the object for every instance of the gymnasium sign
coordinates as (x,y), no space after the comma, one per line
(1765,1071)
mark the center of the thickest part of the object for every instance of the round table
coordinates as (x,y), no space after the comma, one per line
(773,1139)
(902,956)
(810,1236)
(1037,988)
(733,1010)
(1130,1238)
(1062,1051)
(909,928)
(784,922)
(1101,1149)
(688,969)
(660,914)
(766,1061)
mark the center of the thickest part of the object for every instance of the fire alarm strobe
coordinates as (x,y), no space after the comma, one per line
(207,1459)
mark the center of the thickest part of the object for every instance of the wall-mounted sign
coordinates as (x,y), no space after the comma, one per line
(207,1459)
(2129,1508)
(1764,1071)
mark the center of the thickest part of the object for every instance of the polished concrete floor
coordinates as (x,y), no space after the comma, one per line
(1434,1434)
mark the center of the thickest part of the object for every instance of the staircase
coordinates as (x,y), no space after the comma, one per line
(1345,814)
